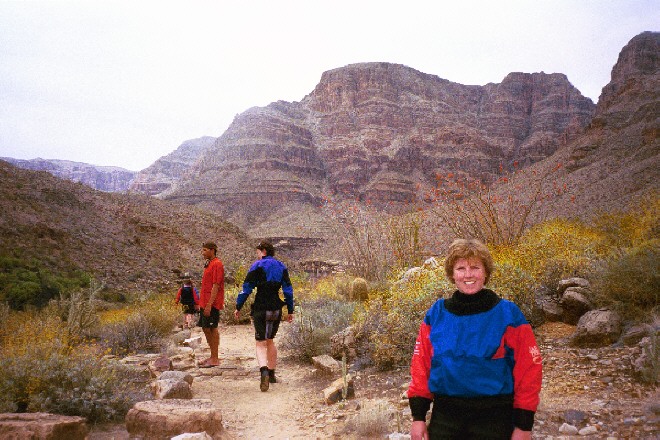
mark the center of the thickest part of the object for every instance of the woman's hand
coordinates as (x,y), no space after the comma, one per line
(236,315)
(519,434)
(418,430)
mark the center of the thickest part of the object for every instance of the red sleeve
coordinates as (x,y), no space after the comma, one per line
(218,276)
(178,295)
(528,370)
(420,366)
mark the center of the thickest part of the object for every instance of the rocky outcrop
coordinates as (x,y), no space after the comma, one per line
(380,132)
(162,176)
(164,419)
(108,179)
(121,240)
(616,161)
(42,426)
(597,328)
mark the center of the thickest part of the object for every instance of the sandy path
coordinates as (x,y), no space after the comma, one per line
(285,411)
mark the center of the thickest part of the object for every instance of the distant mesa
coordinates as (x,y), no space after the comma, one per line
(102,178)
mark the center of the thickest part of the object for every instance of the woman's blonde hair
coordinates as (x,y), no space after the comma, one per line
(468,248)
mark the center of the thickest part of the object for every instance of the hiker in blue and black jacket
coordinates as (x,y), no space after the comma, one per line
(268,275)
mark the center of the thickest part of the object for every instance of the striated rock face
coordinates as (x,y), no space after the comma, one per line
(162,176)
(616,161)
(380,133)
(108,179)
(266,158)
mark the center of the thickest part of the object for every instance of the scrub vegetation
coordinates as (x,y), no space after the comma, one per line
(59,359)
(58,343)
(618,252)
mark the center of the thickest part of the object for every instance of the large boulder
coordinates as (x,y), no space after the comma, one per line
(42,426)
(172,389)
(326,364)
(572,282)
(575,304)
(164,419)
(597,328)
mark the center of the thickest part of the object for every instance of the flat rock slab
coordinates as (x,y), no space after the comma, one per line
(42,426)
(164,419)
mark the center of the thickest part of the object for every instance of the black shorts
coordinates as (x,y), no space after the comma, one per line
(209,321)
(188,309)
(266,323)
(474,419)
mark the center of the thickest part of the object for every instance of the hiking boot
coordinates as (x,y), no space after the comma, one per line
(271,376)
(265,378)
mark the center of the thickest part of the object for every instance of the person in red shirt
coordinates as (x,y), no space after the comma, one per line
(211,301)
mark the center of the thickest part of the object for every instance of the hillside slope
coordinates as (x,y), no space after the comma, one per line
(131,243)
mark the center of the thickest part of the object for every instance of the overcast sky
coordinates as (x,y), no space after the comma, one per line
(124,83)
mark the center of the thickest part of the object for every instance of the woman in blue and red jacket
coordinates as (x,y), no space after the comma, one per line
(475,359)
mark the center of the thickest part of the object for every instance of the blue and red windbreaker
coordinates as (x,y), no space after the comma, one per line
(485,354)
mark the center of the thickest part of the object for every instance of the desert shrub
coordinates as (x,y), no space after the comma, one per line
(359,289)
(139,327)
(629,280)
(227,314)
(554,250)
(335,287)
(135,335)
(372,420)
(316,321)
(42,371)
(374,243)
(78,311)
(497,214)
(511,282)
(391,323)
(636,225)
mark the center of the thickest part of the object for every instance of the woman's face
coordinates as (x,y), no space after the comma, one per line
(469,275)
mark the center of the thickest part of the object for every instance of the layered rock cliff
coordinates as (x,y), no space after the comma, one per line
(617,159)
(102,178)
(379,133)
(163,175)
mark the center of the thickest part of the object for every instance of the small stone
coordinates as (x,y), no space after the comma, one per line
(589,430)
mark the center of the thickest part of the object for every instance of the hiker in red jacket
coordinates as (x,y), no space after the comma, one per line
(212,300)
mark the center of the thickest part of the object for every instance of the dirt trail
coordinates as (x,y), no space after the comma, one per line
(285,411)
(583,387)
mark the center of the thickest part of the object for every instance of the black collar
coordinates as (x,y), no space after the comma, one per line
(462,304)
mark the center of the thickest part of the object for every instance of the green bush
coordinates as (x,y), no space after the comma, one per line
(227,314)
(630,281)
(25,283)
(315,322)
(359,289)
